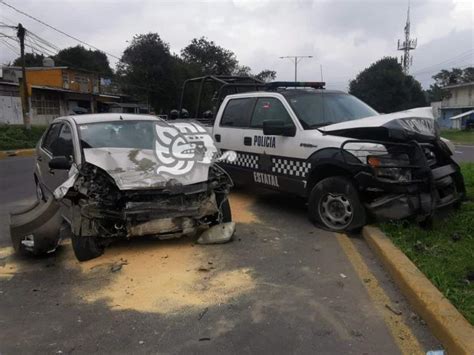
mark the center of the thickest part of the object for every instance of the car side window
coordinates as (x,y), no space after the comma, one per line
(269,108)
(237,112)
(50,136)
(62,145)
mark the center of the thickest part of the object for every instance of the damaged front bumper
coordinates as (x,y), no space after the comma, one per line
(435,182)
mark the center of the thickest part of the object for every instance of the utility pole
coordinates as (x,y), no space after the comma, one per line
(296,59)
(407,45)
(21,31)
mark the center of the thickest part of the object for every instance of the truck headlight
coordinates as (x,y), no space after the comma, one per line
(391,167)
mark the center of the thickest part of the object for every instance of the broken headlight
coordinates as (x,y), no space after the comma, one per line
(391,167)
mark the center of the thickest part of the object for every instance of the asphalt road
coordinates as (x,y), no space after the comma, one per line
(464,153)
(282,286)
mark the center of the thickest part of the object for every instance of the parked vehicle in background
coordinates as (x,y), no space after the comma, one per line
(123,175)
(349,162)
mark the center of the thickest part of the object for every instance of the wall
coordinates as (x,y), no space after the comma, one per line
(460,97)
(49,77)
(10,110)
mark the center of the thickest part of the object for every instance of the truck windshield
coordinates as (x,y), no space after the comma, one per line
(317,109)
(119,134)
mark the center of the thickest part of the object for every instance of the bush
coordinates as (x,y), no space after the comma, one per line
(17,137)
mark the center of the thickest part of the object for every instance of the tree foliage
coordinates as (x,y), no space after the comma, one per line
(82,58)
(148,71)
(266,75)
(385,87)
(31,60)
(448,77)
(208,58)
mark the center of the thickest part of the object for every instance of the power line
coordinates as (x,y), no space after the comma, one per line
(9,46)
(460,57)
(56,29)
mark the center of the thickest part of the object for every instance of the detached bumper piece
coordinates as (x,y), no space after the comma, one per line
(36,229)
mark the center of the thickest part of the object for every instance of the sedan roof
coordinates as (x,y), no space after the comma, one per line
(109,117)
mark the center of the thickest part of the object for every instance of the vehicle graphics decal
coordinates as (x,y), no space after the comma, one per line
(291,167)
(266,179)
(264,141)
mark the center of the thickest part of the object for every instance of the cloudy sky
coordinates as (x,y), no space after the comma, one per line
(344,36)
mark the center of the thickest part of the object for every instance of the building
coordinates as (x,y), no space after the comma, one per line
(57,91)
(456,109)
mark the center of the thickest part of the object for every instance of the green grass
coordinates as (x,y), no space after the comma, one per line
(17,137)
(446,252)
(456,136)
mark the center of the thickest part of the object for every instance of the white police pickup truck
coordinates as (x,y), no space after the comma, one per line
(350,162)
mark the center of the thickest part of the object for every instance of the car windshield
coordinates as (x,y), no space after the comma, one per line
(317,109)
(119,134)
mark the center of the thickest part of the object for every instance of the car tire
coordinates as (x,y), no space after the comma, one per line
(86,248)
(224,208)
(334,205)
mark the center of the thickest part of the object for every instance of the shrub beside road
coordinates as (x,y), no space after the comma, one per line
(458,137)
(17,137)
(445,253)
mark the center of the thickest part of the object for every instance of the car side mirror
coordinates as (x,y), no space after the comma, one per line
(60,163)
(278,128)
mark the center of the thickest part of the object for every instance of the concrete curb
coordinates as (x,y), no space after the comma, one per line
(17,153)
(444,320)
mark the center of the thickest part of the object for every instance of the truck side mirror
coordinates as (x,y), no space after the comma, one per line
(60,163)
(278,128)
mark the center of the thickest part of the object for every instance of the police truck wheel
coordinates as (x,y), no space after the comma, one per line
(86,248)
(334,205)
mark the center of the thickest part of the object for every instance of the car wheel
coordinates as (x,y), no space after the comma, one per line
(225,214)
(86,248)
(39,192)
(334,205)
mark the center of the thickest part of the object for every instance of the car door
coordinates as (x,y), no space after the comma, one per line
(228,134)
(44,155)
(60,145)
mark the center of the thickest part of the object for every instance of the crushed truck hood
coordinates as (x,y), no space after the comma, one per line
(417,124)
(140,169)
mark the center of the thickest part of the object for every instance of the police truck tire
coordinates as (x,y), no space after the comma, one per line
(86,248)
(334,205)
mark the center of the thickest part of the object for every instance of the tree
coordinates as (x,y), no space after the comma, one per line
(266,75)
(207,58)
(150,73)
(31,60)
(448,77)
(385,87)
(82,58)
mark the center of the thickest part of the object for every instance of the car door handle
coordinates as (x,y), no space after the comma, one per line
(247,141)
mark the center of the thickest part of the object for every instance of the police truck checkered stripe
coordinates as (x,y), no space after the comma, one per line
(246,160)
(290,167)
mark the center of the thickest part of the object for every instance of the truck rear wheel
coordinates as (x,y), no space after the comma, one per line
(334,205)
(86,248)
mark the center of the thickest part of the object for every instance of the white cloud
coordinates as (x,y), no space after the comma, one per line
(345,36)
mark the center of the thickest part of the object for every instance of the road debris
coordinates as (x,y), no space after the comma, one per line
(201,314)
(204,339)
(218,234)
(342,275)
(393,310)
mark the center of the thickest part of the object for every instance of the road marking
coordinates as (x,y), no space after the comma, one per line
(404,338)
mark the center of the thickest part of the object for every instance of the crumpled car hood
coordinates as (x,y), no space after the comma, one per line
(417,124)
(137,168)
